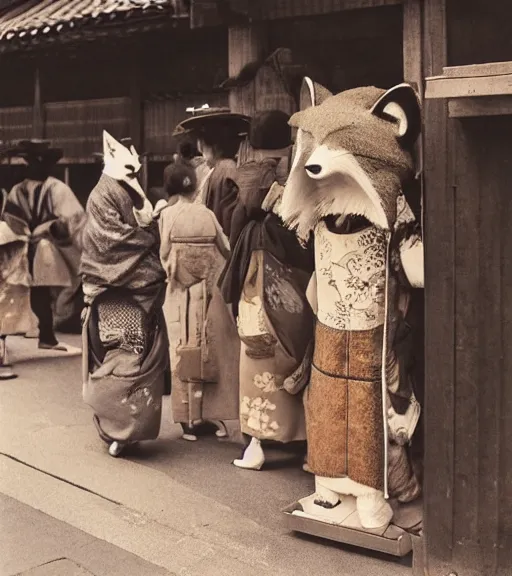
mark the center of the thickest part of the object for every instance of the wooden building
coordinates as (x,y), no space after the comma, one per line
(458,54)
(70,68)
(134,69)
(468,206)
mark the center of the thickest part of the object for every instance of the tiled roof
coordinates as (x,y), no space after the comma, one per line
(32,18)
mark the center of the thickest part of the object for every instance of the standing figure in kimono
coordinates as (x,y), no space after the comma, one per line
(125,340)
(46,211)
(265,284)
(193,252)
(188,153)
(268,144)
(15,310)
(218,133)
(353,159)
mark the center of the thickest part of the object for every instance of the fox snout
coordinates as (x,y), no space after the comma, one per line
(324,162)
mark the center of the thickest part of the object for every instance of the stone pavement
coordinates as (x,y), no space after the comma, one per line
(177,506)
(34,544)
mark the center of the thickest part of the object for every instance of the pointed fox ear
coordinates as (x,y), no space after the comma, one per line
(110,145)
(401,104)
(312,94)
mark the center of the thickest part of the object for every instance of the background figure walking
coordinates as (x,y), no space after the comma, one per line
(15,312)
(45,210)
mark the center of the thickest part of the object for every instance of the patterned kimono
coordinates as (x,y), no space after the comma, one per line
(125,342)
(360,304)
(266,284)
(15,310)
(193,253)
(272,293)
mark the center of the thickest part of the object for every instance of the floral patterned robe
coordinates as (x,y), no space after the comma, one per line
(268,411)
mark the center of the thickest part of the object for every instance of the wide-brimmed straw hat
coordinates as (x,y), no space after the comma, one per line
(206,119)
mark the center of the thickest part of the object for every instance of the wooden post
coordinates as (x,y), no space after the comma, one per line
(37,109)
(137,119)
(66,174)
(245,44)
(439,236)
(413,57)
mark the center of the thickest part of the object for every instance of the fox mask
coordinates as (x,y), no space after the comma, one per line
(121,163)
(352,155)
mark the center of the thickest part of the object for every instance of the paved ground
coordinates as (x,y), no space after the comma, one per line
(172,506)
(35,544)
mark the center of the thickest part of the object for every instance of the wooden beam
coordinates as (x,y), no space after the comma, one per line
(442,87)
(482,106)
(475,70)
(205,12)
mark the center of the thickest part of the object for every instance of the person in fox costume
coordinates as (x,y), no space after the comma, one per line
(352,161)
(125,357)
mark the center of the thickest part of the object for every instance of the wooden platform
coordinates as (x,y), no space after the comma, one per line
(342,525)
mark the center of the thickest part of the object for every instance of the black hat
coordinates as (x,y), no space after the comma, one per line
(38,150)
(179,179)
(270,130)
(208,119)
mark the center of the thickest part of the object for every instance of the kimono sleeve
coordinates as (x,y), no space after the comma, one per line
(409,259)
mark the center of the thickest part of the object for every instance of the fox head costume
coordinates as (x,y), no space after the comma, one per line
(352,155)
(122,163)
(352,160)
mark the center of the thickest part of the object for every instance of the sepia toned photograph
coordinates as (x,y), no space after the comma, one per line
(254,315)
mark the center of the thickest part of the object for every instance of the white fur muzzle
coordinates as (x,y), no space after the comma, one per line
(327,182)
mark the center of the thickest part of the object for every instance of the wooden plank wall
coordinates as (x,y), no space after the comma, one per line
(333,47)
(15,123)
(468,460)
(481,539)
(78,126)
(271,93)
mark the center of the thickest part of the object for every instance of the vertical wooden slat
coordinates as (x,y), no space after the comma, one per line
(504,479)
(245,44)
(77,126)
(467,334)
(439,308)
(161,117)
(136,128)
(412,47)
(16,123)
(493,148)
(413,59)
(38,111)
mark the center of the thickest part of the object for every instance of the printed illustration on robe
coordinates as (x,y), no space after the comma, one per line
(352,162)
